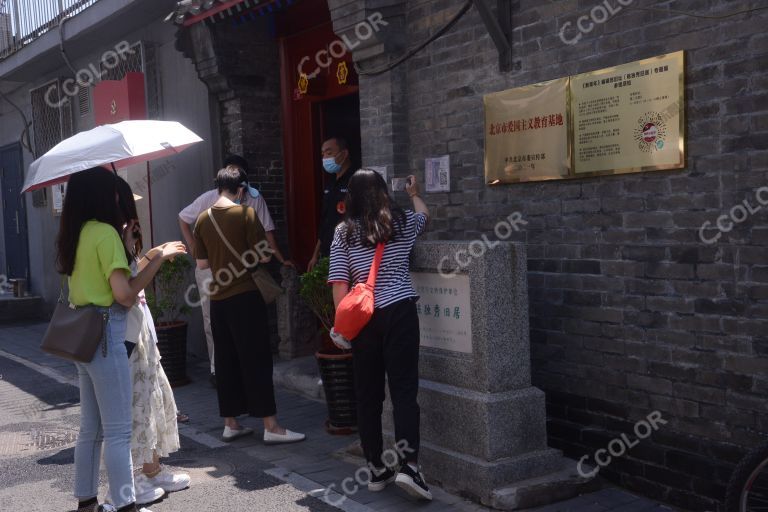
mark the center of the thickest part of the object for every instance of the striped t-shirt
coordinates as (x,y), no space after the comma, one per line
(351,264)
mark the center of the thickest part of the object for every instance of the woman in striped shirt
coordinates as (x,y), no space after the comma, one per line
(389,343)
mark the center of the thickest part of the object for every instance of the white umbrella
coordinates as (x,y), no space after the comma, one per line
(121,144)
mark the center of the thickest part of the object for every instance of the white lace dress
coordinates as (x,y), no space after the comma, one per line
(154,408)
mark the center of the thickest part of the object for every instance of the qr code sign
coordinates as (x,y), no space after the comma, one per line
(438,174)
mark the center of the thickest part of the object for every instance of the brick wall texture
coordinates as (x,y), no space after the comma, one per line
(631,312)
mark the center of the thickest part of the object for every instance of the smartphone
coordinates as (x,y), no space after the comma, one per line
(398,184)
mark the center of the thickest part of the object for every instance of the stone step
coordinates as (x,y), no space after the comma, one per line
(543,490)
(20,309)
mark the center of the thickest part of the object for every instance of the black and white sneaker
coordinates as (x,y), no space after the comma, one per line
(380,478)
(413,483)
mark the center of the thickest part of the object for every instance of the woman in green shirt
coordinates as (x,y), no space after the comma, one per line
(90,251)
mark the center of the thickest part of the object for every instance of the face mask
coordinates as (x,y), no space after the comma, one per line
(250,191)
(330,165)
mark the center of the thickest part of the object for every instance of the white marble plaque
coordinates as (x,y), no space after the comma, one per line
(445,313)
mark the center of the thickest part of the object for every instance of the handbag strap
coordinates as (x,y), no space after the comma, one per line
(371,283)
(221,235)
(61,289)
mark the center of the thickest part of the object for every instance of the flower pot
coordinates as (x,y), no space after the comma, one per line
(172,344)
(339,385)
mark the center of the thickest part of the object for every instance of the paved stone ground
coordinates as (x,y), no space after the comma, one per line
(37,436)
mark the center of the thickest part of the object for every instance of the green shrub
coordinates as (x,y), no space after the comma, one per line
(317,293)
(168,304)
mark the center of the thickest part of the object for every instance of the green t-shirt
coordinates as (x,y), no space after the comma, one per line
(100,252)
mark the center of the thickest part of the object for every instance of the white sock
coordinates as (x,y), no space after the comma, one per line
(413,467)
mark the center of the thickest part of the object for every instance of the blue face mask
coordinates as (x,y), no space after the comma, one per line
(330,165)
(251,191)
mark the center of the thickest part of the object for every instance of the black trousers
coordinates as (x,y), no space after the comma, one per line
(243,356)
(388,345)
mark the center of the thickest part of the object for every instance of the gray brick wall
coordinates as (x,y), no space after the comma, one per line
(250,106)
(630,311)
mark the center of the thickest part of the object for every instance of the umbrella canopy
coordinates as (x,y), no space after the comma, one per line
(122,144)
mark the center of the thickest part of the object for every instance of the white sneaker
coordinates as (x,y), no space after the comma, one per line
(288,437)
(146,492)
(231,434)
(169,481)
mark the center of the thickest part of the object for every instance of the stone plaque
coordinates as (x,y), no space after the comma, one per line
(445,313)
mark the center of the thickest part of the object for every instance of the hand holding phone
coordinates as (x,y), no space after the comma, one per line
(399,184)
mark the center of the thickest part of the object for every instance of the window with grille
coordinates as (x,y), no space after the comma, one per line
(132,61)
(51,116)
(142,59)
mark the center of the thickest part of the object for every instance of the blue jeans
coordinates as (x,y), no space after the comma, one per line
(105,417)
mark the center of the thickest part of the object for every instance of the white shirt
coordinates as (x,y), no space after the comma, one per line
(208,199)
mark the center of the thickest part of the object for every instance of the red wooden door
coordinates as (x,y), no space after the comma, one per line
(315,67)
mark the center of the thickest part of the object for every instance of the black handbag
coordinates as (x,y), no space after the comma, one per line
(75,332)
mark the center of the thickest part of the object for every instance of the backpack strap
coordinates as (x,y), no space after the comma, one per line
(371,283)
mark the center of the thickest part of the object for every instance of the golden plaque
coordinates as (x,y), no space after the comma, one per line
(526,133)
(629,118)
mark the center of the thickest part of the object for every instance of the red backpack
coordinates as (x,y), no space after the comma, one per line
(356,309)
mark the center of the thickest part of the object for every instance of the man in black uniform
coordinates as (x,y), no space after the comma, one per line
(336,161)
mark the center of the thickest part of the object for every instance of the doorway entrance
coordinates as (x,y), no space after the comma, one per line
(340,117)
(14,213)
(320,99)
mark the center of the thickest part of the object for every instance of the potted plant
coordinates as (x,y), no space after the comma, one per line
(167,305)
(335,364)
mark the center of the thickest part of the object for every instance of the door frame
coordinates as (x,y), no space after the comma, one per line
(23,232)
(301,130)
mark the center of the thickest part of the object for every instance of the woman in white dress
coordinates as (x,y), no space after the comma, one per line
(155,431)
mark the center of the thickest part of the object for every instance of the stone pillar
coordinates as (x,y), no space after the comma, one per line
(383,97)
(483,425)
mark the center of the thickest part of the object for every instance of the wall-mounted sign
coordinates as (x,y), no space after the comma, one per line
(381,169)
(437,172)
(628,118)
(445,315)
(58,192)
(526,133)
(120,100)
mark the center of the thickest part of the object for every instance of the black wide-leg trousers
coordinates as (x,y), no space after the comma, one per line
(240,330)
(388,345)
